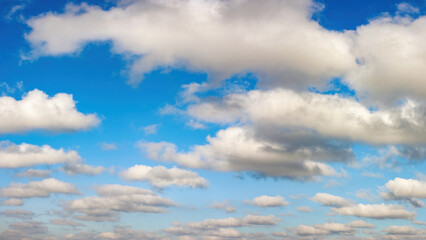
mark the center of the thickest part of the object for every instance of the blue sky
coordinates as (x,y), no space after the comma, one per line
(208,119)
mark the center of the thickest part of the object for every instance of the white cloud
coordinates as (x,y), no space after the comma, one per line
(400,230)
(249,220)
(330,200)
(269,201)
(304,230)
(238,149)
(65,222)
(377,211)
(222,38)
(401,188)
(304,209)
(34,173)
(162,177)
(26,155)
(114,199)
(226,206)
(108,146)
(38,111)
(13,202)
(151,129)
(360,224)
(79,168)
(391,55)
(38,189)
(329,115)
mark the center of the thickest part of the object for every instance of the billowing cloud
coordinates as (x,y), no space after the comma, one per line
(239,149)
(161,176)
(328,115)
(401,188)
(26,155)
(377,211)
(222,38)
(38,189)
(76,168)
(390,51)
(360,224)
(226,206)
(38,111)
(330,200)
(114,199)
(269,201)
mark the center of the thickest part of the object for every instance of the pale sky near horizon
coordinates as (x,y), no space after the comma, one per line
(212,119)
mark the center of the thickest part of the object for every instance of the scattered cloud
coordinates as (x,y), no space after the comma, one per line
(38,111)
(268,201)
(151,129)
(330,200)
(75,168)
(114,199)
(108,146)
(226,206)
(376,211)
(34,173)
(162,177)
(38,189)
(27,155)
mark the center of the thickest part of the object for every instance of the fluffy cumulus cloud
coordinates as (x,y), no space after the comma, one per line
(269,201)
(391,53)
(238,149)
(323,229)
(38,189)
(329,115)
(226,206)
(76,168)
(376,211)
(161,176)
(113,199)
(37,111)
(408,189)
(220,228)
(331,200)
(26,155)
(222,38)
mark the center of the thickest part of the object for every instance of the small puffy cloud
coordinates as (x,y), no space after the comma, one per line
(79,168)
(330,200)
(26,155)
(151,129)
(13,202)
(108,146)
(401,188)
(114,199)
(360,224)
(24,230)
(322,229)
(304,209)
(18,213)
(34,173)
(247,221)
(400,230)
(38,189)
(376,211)
(269,201)
(38,111)
(162,177)
(65,222)
(226,206)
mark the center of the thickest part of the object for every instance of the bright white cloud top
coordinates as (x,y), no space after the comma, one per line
(37,111)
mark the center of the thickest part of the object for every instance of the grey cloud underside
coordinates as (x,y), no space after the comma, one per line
(113,199)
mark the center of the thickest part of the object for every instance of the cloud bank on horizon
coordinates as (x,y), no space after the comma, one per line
(245,119)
